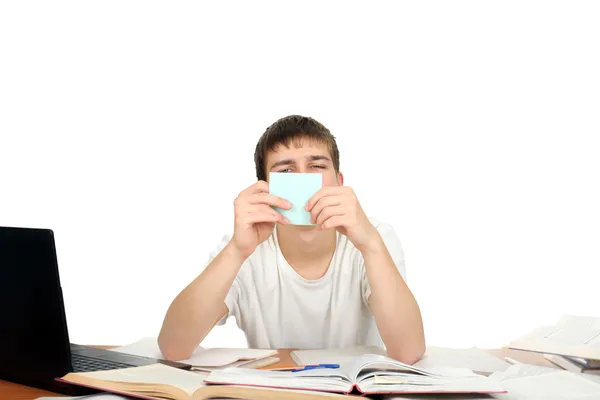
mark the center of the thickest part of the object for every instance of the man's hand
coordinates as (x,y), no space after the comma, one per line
(337,207)
(254,218)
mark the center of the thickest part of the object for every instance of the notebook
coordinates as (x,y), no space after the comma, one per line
(366,374)
(573,336)
(206,359)
(160,381)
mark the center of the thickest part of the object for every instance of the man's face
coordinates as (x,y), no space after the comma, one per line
(310,156)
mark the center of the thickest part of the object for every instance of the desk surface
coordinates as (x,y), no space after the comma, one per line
(13,391)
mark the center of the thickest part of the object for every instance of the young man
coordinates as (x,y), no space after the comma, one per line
(337,284)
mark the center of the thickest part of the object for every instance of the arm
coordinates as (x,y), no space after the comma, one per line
(395,310)
(201,304)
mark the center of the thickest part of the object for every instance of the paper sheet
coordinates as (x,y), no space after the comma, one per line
(524,381)
(522,371)
(474,359)
(556,385)
(201,357)
(297,188)
(333,356)
(574,321)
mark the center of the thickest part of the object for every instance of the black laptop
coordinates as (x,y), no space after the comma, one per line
(34,341)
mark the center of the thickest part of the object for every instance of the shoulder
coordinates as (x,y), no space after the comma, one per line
(225,239)
(264,254)
(387,233)
(392,242)
(379,224)
(384,228)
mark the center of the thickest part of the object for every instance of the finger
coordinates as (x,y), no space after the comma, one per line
(333,222)
(255,218)
(255,209)
(329,212)
(248,209)
(269,199)
(262,209)
(324,203)
(323,192)
(258,187)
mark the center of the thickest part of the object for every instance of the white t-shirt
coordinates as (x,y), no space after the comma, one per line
(277,308)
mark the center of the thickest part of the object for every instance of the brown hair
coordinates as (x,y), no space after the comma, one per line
(292,129)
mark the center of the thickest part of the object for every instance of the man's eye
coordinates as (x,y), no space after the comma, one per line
(319,166)
(286,170)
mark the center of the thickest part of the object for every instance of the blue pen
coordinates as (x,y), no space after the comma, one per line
(317,366)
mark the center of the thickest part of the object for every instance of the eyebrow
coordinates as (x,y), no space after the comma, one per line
(289,161)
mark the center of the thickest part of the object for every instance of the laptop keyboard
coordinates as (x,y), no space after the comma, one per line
(89,364)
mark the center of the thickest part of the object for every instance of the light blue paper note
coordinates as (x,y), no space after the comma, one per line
(297,188)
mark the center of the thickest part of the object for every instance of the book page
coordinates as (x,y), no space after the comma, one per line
(521,371)
(428,384)
(153,374)
(333,356)
(369,365)
(325,379)
(146,347)
(201,357)
(550,386)
(220,356)
(474,359)
(577,322)
(563,340)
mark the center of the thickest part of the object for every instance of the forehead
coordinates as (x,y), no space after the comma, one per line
(297,148)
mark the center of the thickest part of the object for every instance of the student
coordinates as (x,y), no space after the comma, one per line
(337,284)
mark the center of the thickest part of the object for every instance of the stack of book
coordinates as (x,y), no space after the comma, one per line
(573,343)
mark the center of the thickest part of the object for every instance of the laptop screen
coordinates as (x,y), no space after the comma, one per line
(34,343)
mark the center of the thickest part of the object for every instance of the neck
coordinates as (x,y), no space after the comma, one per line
(306,249)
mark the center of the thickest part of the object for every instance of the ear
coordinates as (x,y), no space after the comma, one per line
(340,179)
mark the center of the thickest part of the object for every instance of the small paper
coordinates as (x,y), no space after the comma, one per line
(297,188)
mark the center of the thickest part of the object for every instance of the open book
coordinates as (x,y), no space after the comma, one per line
(159,381)
(571,336)
(368,374)
(475,359)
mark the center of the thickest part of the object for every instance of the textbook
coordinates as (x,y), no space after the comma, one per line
(573,336)
(475,359)
(159,381)
(366,374)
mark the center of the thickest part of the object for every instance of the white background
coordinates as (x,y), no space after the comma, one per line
(472,127)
